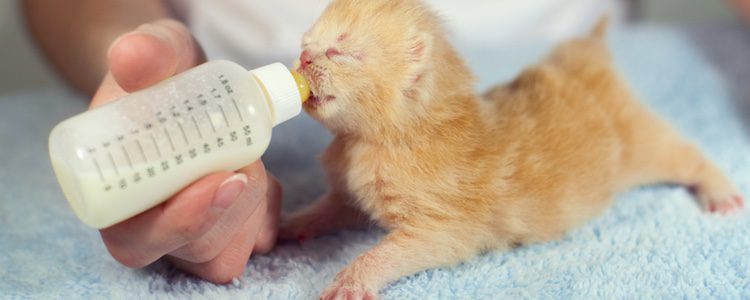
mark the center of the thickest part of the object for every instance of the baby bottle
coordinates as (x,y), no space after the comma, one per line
(129,155)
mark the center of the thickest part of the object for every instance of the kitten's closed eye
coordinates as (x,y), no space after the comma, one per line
(332,52)
(335,55)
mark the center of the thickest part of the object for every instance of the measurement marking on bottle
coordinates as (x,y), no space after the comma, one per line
(198,128)
(156,145)
(98,169)
(224,114)
(237,108)
(213,127)
(169,137)
(140,148)
(127,156)
(184,136)
(114,165)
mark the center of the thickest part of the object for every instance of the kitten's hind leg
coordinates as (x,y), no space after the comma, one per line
(327,214)
(714,190)
(659,154)
(399,254)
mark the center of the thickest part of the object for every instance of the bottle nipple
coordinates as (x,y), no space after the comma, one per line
(302,85)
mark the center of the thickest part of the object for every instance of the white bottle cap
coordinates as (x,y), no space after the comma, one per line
(282,89)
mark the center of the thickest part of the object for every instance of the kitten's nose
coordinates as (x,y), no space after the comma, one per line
(305,59)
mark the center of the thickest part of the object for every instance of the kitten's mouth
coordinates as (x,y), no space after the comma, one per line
(315,101)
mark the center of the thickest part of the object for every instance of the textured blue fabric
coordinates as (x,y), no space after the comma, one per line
(653,243)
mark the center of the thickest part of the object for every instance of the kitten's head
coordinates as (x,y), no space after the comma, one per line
(368,61)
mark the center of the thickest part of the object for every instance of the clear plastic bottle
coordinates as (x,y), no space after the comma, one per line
(129,155)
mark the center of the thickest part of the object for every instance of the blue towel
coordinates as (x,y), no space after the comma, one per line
(654,242)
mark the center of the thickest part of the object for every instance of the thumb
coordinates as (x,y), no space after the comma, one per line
(152,53)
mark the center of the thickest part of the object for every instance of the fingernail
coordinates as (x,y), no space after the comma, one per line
(144,29)
(229,190)
(155,30)
(112,45)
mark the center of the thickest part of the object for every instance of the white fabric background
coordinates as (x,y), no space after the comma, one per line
(257,32)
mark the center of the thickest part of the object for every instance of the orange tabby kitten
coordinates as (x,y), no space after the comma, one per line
(451,173)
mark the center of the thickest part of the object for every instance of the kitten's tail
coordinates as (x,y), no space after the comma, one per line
(600,29)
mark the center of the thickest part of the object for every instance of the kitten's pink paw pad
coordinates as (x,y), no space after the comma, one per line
(348,291)
(725,204)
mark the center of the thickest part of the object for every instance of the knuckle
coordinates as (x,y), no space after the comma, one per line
(221,272)
(266,240)
(200,251)
(191,230)
(123,251)
(128,258)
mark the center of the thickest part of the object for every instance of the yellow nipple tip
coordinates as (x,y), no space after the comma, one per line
(304,88)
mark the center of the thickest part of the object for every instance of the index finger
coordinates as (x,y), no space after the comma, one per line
(143,239)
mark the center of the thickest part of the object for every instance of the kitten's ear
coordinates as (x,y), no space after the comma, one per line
(420,48)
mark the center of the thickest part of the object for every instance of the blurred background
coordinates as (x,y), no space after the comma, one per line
(22,67)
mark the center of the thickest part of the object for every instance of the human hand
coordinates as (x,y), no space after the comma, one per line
(211,227)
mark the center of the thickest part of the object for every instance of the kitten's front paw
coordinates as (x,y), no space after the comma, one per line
(348,290)
(724,203)
(322,217)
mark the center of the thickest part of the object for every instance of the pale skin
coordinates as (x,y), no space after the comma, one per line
(211,227)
